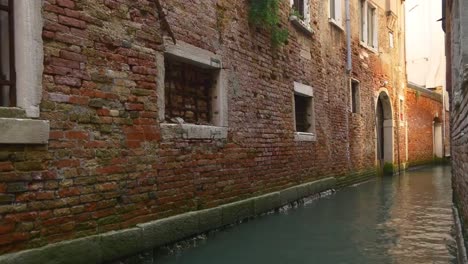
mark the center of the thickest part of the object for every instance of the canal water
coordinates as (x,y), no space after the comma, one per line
(401,219)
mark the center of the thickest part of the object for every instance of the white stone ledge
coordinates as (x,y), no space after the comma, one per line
(191,131)
(24,131)
(336,24)
(301,25)
(306,137)
(372,49)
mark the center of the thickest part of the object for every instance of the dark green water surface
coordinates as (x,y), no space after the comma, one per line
(401,219)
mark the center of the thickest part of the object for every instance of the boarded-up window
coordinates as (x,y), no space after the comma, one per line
(188,92)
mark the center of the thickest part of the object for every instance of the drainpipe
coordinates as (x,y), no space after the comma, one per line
(349,64)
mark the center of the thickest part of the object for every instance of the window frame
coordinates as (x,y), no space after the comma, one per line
(28,56)
(368,31)
(19,119)
(335,17)
(307,92)
(11,81)
(305,12)
(218,128)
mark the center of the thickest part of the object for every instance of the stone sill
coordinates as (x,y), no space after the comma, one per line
(24,131)
(191,131)
(336,24)
(301,25)
(372,49)
(305,137)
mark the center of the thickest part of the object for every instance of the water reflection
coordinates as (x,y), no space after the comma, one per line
(402,219)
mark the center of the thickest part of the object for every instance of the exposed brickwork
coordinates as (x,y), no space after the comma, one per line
(423,109)
(106,166)
(456,28)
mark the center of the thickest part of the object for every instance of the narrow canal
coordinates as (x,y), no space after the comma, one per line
(401,219)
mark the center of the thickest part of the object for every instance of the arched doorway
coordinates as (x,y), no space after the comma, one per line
(384,129)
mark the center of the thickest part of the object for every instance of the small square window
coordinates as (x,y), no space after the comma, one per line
(188,92)
(304,115)
(355,97)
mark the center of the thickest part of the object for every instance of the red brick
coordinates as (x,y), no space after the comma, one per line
(6,166)
(66,3)
(73,22)
(70,81)
(76,135)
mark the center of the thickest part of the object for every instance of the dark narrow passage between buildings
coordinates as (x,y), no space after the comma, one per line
(400,219)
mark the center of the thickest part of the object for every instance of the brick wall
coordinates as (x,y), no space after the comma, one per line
(457,75)
(423,108)
(106,166)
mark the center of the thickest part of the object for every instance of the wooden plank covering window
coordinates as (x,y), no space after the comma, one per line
(7,51)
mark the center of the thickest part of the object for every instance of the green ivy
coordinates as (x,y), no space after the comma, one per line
(265,14)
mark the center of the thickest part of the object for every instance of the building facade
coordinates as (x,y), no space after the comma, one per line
(456,29)
(122,112)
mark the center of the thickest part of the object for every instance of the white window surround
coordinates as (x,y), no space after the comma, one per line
(364,36)
(302,23)
(306,91)
(337,18)
(29,56)
(204,59)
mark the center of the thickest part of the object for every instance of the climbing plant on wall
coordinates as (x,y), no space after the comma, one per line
(265,14)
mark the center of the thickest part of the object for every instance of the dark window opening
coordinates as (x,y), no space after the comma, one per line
(299,7)
(355,96)
(188,91)
(7,60)
(301,107)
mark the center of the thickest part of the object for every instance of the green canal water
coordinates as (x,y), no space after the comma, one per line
(401,219)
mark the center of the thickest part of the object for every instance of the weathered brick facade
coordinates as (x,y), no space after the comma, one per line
(456,29)
(108,165)
(424,110)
